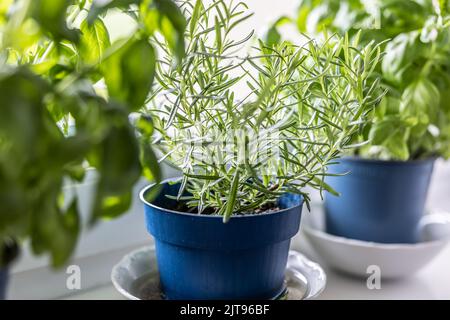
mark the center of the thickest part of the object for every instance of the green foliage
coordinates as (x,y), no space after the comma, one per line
(378,20)
(414,120)
(94,42)
(130,71)
(51,17)
(153,15)
(273,35)
(57,120)
(304,103)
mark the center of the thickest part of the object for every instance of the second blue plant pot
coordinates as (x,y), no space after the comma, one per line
(380,201)
(200,257)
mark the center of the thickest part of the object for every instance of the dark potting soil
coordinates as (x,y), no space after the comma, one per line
(267,208)
(182,206)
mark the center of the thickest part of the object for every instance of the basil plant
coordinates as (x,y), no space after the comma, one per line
(67,93)
(413,121)
(246,121)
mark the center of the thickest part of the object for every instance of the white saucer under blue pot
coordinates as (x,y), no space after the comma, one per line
(136,277)
(394,260)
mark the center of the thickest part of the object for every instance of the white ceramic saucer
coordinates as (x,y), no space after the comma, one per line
(394,260)
(136,276)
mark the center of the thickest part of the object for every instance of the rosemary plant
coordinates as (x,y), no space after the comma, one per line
(245,129)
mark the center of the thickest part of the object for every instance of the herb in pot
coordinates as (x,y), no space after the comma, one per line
(410,128)
(249,128)
(245,129)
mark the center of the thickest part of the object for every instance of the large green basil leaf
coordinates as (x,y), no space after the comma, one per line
(55,230)
(401,53)
(129,73)
(397,145)
(421,98)
(117,160)
(392,133)
(93,42)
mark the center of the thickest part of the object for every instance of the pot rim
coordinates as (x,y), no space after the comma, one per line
(209,216)
(388,162)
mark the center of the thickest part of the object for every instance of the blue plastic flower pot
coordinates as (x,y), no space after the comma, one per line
(380,201)
(4,277)
(200,257)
